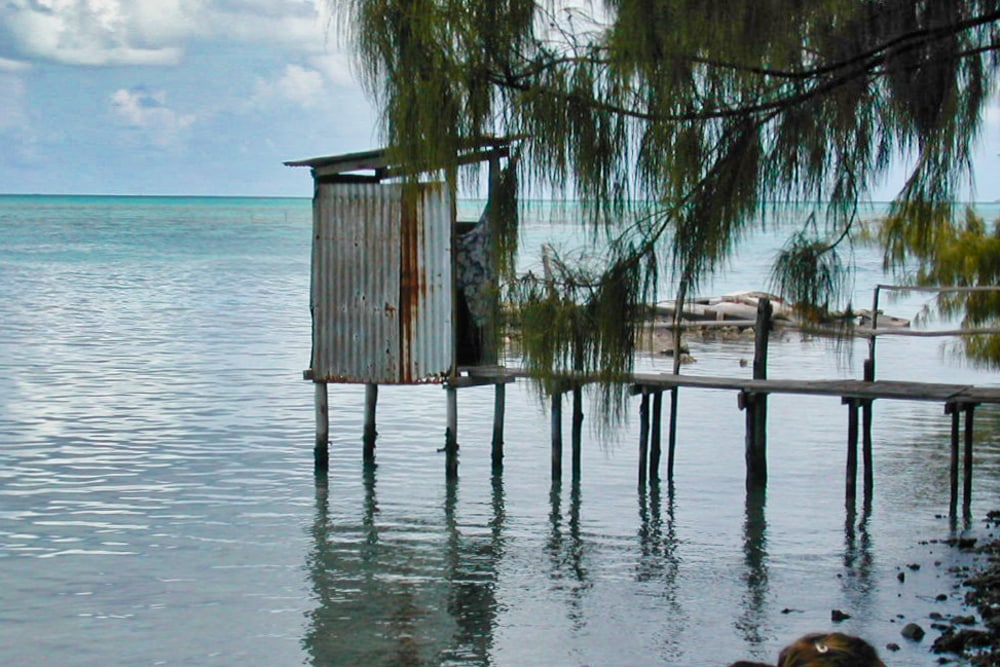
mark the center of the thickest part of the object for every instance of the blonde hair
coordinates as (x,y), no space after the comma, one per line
(829,650)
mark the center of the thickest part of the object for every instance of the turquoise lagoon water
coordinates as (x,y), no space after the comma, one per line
(158,503)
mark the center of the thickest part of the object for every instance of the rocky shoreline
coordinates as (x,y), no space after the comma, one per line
(978,645)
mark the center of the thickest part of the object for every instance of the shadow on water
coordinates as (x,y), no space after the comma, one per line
(753,622)
(396,595)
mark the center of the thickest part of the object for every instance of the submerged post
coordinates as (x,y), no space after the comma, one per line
(371,400)
(556,436)
(866,429)
(451,434)
(654,442)
(970,409)
(643,434)
(952,409)
(852,451)
(672,434)
(577,432)
(321,450)
(755,403)
(499,409)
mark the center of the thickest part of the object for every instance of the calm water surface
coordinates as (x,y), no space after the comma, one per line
(158,503)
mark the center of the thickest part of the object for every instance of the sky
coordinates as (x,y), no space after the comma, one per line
(200,97)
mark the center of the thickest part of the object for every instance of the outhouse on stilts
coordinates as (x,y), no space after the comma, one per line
(402,292)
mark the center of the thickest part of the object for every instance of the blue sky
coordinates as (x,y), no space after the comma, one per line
(172,96)
(197,97)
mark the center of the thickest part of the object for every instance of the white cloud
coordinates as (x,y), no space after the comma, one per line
(13,65)
(147,111)
(336,67)
(298,85)
(153,32)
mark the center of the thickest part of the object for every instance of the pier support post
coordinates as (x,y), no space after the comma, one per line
(371,400)
(321,450)
(866,450)
(643,434)
(755,404)
(952,409)
(850,493)
(655,439)
(970,409)
(577,433)
(557,444)
(499,410)
(756,445)
(866,431)
(672,434)
(451,434)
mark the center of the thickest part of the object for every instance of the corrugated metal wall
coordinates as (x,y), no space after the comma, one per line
(382,290)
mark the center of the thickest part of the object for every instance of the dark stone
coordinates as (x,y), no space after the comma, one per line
(892,646)
(837,616)
(913,631)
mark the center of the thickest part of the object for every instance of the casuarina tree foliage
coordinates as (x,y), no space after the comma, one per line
(680,124)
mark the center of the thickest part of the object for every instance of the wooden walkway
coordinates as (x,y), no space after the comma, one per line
(845,388)
(857,395)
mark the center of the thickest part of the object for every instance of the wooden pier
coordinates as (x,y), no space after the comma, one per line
(752,393)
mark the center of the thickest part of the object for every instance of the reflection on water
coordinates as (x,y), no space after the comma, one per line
(398,595)
(753,618)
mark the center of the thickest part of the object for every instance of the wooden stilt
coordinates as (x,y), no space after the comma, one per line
(643,434)
(371,400)
(866,449)
(756,451)
(756,404)
(556,436)
(577,430)
(321,450)
(451,434)
(852,452)
(952,409)
(654,443)
(499,410)
(970,409)
(672,434)
(866,433)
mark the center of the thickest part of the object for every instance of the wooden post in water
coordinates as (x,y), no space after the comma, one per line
(556,436)
(852,451)
(970,409)
(371,400)
(866,433)
(643,434)
(672,434)
(321,450)
(577,430)
(952,409)
(654,444)
(499,409)
(755,404)
(451,434)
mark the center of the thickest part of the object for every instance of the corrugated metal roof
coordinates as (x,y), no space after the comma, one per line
(382,292)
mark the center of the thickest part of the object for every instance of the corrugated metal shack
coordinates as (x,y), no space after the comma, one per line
(388,299)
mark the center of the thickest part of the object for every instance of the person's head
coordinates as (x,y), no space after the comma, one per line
(829,650)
